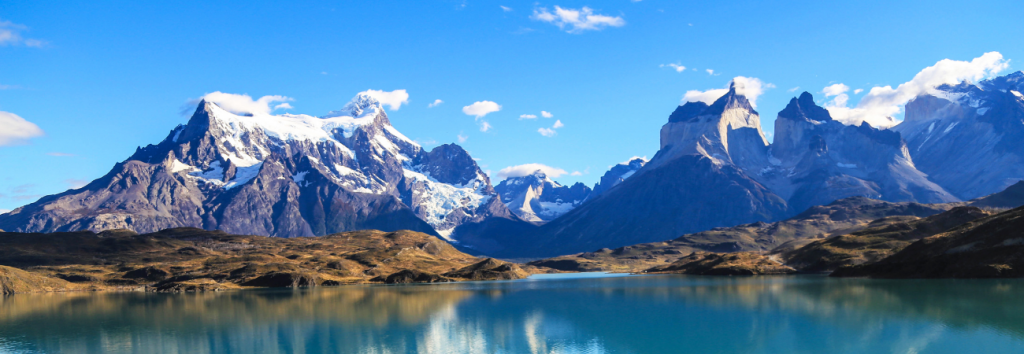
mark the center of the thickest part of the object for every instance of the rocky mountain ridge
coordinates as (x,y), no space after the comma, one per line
(285,176)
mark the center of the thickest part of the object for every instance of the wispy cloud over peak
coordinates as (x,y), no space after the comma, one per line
(393,99)
(528,169)
(243,103)
(749,87)
(882,103)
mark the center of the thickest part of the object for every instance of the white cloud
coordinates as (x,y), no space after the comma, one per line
(881,103)
(8,87)
(839,91)
(576,173)
(393,99)
(60,154)
(528,169)
(10,34)
(835,90)
(481,108)
(710,71)
(243,103)
(678,68)
(550,132)
(750,87)
(794,89)
(527,116)
(505,8)
(484,126)
(858,91)
(436,103)
(462,138)
(577,21)
(283,106)
(546,114)
(5,211)
(16,130)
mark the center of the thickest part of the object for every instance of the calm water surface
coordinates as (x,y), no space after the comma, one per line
(544,314)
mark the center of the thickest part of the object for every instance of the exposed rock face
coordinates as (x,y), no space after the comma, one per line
(991,247)
(816,160)
(967,137)
(407,276)
(692,184)
(617,174)
(537,198)
(489,269)
(741,263)
(715,168)
(728,131)
(286,176)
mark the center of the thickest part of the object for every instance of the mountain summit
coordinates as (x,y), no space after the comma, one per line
(277,175)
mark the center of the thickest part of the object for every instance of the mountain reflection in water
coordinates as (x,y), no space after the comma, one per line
(562,314)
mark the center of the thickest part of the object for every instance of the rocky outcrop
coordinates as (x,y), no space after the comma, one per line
(489,269)
(881,239)
(990,247)
(741,263)
(407,276)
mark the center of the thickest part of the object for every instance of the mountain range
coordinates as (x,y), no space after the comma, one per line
(285,176)
(299,175)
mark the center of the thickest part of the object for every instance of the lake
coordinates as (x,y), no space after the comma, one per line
(571,313)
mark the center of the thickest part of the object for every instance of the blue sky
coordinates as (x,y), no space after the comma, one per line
(99,79)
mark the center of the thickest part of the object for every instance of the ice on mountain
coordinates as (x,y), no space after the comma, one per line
(244,174)
(950,127)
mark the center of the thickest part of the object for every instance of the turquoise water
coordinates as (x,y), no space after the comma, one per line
(585,313)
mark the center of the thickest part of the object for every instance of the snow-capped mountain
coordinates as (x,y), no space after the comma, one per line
(537,198)
(967,137)
(715,168)
(277,175)
(690,185)
(816,160)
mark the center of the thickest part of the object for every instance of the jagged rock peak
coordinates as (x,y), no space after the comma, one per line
(805,108)
(690,111)
(362,104)
(729,101)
